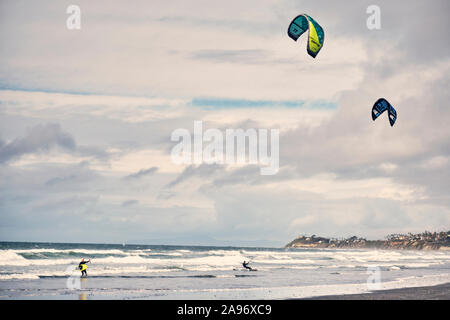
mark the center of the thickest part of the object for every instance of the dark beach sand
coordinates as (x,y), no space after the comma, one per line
(439,292)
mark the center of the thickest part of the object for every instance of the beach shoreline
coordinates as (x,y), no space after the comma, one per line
(437,292)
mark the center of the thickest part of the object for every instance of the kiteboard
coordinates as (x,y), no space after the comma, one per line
(244,269)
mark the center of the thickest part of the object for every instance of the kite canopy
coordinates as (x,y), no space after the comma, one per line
(316,35)
(382,105)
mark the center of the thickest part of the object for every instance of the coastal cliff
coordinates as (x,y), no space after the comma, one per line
(422,241)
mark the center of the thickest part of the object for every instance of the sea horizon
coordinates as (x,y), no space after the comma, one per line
(141,244)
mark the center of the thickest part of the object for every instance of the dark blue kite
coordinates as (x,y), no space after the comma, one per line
(382,105)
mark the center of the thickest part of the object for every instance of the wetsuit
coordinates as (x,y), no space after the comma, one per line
(245,264)
(82,266)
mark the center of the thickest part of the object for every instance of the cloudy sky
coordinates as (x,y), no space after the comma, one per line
(86,118)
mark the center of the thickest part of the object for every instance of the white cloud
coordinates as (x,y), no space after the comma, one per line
(139,70)
(437,162)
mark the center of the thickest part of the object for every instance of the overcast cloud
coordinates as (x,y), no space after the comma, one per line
(86,118)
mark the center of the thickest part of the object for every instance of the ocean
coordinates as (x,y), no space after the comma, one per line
(49,271)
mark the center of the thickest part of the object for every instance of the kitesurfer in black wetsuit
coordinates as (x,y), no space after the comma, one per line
(245,265)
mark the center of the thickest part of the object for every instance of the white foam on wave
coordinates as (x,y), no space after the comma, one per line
(229,259)
(10,258)
(21,276)
(93,271)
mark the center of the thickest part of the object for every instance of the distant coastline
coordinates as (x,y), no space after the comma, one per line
(422,241)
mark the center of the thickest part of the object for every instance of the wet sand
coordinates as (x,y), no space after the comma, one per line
(439,292)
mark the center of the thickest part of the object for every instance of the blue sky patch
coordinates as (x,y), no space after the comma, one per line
(218,103)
